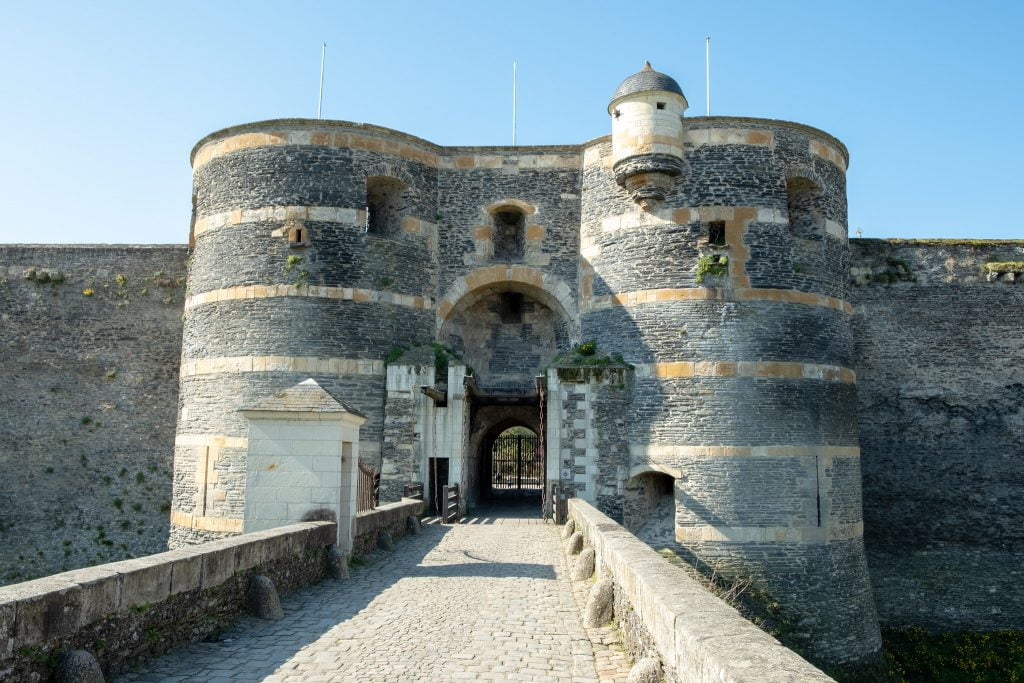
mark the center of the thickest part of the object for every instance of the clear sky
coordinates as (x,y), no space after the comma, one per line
(102,101)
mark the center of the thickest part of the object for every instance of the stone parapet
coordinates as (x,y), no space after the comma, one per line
(665,613)
(390,518)
(135,609)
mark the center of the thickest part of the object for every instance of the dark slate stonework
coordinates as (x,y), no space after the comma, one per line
(741,491)
(934,340)
(464,194)
(326,328)
(738,411)
(339,255)
(696,330)
(941,364)
(88,394)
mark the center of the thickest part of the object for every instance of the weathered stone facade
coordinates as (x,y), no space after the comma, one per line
(88,392)
(710,252)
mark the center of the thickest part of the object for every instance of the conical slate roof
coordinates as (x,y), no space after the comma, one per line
(645,80)
(305,397)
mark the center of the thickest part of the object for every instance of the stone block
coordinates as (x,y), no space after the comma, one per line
(78,666)
(263,600)
(186,570)
(598,610)
(384,540)
(569,528)
(144,581)
(583,568)
(337,563)
(646,670)
(575,544)
(100,594)
(46,608)
(412,523)
(219,563)
(8,614)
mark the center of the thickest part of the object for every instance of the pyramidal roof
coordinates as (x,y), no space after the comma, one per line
(304,397)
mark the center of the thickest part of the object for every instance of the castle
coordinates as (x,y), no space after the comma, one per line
(441,295)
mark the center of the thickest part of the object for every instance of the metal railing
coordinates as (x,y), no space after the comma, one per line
(450,502)
(368,489)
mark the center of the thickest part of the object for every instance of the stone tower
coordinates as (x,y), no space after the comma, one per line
(311,258)
(714,256)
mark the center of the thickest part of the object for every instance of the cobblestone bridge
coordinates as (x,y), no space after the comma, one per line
(489,599)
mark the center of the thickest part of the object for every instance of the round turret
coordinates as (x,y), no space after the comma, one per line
(647,134)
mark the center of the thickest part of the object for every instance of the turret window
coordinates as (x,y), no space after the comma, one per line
(661,105)
(385,205)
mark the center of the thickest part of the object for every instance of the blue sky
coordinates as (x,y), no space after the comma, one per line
(102,102)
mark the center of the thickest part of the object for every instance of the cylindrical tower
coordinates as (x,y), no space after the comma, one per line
(313,255)
(730,298)
(647,134)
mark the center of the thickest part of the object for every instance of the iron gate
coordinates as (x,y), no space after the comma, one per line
(517,464)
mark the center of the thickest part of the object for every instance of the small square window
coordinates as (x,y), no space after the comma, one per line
(297,237)
(716,233)
(661,105)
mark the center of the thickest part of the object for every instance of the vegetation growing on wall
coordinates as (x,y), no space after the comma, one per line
(711,264)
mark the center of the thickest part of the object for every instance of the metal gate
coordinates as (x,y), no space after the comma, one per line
(517,464)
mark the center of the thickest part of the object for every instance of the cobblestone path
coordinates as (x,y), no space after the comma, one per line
(485,601)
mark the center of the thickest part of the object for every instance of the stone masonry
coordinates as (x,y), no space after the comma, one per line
(766,361)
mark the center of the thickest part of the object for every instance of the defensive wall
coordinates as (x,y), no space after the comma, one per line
(939,354)
(88,401)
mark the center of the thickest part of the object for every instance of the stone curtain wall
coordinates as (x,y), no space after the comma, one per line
(940,368)
(138,609)
(88,395)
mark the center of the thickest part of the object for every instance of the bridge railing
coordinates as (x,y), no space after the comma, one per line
(450,504)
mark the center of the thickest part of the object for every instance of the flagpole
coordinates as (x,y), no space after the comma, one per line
(320,97)
(513,103)
(707,72)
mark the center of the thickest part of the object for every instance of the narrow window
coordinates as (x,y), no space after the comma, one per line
(508,233)
(511,307)
(297,237)
(385,204)
(716,233)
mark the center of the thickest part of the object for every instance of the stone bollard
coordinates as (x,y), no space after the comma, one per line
(337,563)
(263,600)
(568,529)
(78,666)
(384,540)
(583,569)
(575,544)
(413,522)
(598,610)
(646,670)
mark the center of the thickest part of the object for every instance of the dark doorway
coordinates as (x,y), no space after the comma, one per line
(438,473)
(517,463)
